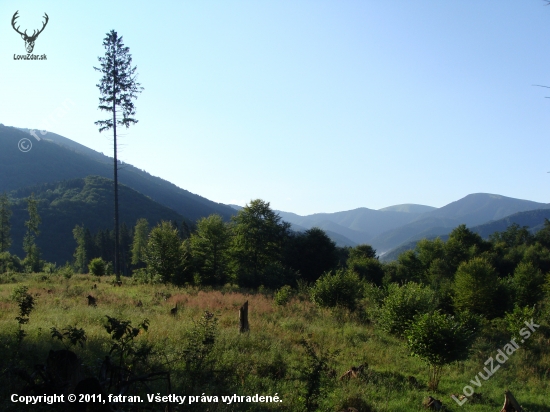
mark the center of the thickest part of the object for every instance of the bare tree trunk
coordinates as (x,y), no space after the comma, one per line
(510,403)
(243,318)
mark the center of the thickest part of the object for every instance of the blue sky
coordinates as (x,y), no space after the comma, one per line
(314,106)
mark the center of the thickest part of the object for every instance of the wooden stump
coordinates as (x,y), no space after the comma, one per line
(510,403)
(243,318)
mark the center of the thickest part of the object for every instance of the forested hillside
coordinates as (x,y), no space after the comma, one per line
(86,202)
(60,159)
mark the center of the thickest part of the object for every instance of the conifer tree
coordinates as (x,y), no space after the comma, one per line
(118,87)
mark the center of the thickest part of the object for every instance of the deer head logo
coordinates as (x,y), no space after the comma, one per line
(29,40)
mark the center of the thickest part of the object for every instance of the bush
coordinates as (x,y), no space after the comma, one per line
(439,339)
(97,267)
(341,288)
(66,271)
(49,268)
(9,263)
(282,296)
(516,319)
(403,303)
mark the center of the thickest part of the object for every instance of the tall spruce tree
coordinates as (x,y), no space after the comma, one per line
(118,87)
(5,215)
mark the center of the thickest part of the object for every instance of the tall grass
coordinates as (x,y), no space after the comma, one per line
(269,359)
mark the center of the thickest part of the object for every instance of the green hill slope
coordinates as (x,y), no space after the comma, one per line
(87,202)
(56,158)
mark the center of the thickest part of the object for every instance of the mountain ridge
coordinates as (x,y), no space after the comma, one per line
(55,158)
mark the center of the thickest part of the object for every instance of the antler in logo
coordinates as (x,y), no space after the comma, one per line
(29,40)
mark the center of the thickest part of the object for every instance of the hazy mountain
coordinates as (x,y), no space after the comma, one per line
(359,225)
(56,158)
(334,231)
(482,207)
(340,240)
(408,208)
(533,219)
(472,210)
(87,202)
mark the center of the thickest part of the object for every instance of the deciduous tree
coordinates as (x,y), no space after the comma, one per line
(258,242)
(210,250)
(312,253)
(475,287)
(164,252)
(139,244)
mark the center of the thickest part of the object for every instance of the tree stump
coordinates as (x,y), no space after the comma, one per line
(510,403)
(243,318)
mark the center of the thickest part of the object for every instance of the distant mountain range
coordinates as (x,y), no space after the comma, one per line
(391,227)
(533,219)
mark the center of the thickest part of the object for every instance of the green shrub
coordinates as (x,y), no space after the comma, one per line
(109,270)
(402,304)
(282,296)
(66,271)
(439,339)
(341,288)
(142,277)
(97,267)
(9,263)
(517,318)
(49,268)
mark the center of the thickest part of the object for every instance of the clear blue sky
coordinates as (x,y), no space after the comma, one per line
(314,106)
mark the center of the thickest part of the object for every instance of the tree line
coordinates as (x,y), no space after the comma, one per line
(256,248)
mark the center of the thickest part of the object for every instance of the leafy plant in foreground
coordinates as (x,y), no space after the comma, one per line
(315,372)
(74,335)
(26,303)
(124,347)
(439,339)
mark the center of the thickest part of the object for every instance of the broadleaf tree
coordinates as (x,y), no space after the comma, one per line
(257,243)
(210,250)
(139,244)
(118,88)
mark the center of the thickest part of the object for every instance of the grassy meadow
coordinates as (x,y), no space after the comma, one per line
(295,350)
